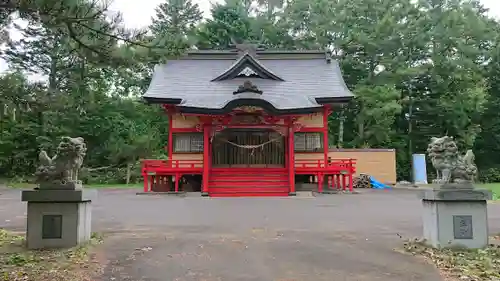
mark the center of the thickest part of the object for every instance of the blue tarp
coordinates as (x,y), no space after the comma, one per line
(378,185)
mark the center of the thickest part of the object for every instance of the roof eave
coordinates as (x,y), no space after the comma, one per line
(333,100)
(155,100)
(248,102)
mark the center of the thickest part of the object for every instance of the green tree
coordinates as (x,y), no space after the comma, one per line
(230,23)
(175,22)
(488,142)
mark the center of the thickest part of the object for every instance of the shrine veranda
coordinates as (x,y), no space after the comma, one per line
(248,122)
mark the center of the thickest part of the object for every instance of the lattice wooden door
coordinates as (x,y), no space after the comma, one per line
(248,148)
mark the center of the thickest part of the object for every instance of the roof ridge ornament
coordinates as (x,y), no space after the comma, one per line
(328,56)
(246,47)
(247,87)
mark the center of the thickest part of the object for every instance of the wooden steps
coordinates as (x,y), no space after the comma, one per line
(248,182)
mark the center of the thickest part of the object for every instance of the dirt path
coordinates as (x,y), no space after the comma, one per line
(340,237)
(190,254)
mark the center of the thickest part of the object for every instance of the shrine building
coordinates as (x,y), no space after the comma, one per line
(248,122)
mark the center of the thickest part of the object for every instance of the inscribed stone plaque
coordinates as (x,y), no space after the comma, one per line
(52,227)
(462,227)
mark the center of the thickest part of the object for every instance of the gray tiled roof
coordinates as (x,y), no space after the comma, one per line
(306,80)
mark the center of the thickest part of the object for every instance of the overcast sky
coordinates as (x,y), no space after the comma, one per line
(138,13)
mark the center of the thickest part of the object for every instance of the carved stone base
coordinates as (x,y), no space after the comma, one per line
(58,218)
(60,186)
(455,217)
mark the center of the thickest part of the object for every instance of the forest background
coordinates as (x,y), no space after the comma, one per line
(418,68)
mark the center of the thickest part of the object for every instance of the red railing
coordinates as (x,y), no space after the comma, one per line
(157,173)
(347,165)
(338,173)
(171,165)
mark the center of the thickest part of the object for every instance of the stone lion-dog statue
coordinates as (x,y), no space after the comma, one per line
(450,166)
(61,171)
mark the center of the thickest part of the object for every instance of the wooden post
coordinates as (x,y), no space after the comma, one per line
(206,159)
(146,182)
(351,188)
(351,173)
(321,178)
(170,138)
(287,152)
(177,180)
(326,112)
(291,161)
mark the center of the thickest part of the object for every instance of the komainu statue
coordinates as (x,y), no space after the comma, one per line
(450,166)
(61,171)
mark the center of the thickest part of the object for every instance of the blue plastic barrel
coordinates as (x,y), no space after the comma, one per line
(419,169)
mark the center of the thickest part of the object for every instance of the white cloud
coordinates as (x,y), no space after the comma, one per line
(137,14)
(493,6)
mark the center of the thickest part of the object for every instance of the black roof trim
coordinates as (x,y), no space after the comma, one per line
(249,102)
(151,100)
(333,100)
(241,63)
(268,107)
(258,51)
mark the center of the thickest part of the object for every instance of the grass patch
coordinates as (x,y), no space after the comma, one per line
(494,187)
(96,186)
(17,263)
(461,264)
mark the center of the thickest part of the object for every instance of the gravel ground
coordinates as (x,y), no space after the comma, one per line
(334,237)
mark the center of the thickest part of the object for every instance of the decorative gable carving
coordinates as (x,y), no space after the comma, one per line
(247,66)
(247,71)
(247,87)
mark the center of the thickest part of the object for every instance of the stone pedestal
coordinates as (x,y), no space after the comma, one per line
(456,217)
(58,218)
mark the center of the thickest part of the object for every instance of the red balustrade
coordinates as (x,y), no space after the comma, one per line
(153,165)
(157,173)
(338,172)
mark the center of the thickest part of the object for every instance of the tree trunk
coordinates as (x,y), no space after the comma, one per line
(340,143)
(361,130)
(53,75)
(129,172)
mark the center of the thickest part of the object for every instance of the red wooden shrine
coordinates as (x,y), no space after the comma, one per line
(255,139)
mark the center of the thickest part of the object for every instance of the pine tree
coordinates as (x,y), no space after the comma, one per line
(176,17)
(488,142)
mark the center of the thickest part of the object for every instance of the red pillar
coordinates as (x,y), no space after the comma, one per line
(326,112)
(351,188)
(291,159)
(170,138)
(206,159)
(287,152)
(177,179)
(321,178)
(146,182)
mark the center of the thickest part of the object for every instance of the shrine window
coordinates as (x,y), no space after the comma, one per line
(187,142)
(308,142)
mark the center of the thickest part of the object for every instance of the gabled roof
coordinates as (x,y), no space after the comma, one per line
(282,82)
(247,65)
